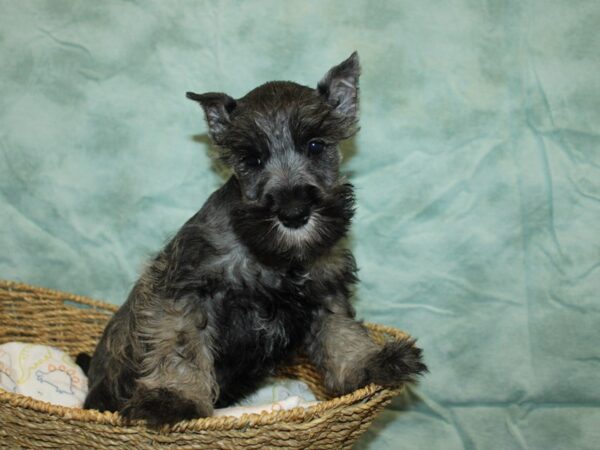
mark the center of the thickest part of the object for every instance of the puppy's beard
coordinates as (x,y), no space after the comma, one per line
(274,243)
(296,240)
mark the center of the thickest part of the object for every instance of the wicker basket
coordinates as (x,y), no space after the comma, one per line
(74,324)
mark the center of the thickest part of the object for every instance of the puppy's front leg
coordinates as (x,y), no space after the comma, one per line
(342,350)
(178,380)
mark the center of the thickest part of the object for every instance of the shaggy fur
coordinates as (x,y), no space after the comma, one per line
(258,275)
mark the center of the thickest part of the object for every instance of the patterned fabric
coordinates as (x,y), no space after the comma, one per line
(287,403)
(49,374)
(42,372)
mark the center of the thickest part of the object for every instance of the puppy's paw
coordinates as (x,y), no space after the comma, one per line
(396,363)
(162,406)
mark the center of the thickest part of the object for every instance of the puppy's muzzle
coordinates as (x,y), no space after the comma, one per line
(294,206)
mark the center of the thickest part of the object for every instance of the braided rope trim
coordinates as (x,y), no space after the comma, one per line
(19,301)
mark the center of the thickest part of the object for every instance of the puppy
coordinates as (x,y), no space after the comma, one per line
(259,275)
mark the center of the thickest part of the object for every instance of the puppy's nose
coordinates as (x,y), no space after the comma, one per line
(294,214)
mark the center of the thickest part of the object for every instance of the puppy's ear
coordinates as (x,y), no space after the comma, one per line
(217,108)
(340,86)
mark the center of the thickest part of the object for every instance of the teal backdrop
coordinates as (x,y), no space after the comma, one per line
(477,171)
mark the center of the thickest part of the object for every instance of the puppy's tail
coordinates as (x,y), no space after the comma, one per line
(83,360)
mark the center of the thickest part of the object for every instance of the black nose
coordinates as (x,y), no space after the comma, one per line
(294,206)
(294,214)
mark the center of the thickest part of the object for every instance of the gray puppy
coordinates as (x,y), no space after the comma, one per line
(259,275)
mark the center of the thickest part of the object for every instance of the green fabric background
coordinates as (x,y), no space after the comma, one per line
(477,171)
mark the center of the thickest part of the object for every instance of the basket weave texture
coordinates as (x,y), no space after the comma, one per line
(74,324)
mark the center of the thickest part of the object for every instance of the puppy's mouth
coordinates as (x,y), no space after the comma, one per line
(295,222)
(296,225)
(301,235)
(296,234)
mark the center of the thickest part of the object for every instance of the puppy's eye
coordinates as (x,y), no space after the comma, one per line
(315,147)
(252,161)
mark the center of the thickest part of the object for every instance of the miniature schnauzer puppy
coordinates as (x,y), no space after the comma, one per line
(259,275)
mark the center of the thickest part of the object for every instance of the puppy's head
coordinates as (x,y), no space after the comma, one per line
(281,140)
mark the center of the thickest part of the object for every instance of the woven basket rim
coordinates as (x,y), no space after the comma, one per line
(297,414)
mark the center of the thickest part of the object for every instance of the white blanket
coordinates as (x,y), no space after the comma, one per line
(49,374)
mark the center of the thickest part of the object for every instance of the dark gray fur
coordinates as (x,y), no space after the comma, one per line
(236,293)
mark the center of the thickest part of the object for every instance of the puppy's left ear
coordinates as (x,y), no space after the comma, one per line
(340,86)
(217,108)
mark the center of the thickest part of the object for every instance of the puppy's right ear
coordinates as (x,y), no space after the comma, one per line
(217,108)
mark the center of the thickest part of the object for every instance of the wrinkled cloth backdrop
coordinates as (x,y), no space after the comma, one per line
(477,172)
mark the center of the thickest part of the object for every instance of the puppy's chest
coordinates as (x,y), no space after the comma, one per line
(265,323)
